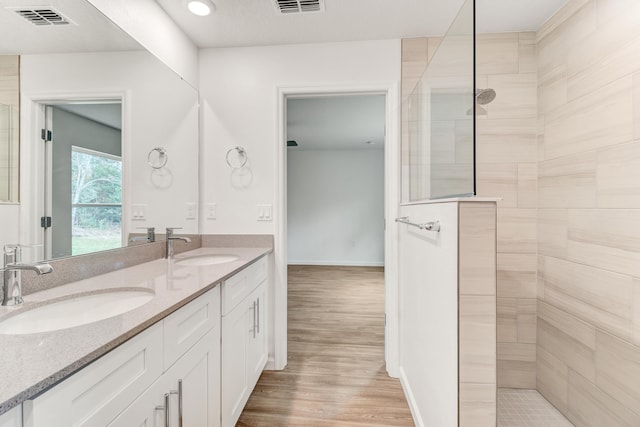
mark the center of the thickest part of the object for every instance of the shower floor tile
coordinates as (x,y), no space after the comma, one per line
(527,408)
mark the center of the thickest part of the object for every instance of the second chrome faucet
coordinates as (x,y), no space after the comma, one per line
(171,238)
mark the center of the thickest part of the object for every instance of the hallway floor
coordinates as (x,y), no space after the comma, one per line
(336,374)
(527,408)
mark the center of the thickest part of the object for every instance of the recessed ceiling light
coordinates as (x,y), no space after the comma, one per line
(200,7)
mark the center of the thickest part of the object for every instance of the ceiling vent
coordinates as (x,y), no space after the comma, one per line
(299,6)
(43,16)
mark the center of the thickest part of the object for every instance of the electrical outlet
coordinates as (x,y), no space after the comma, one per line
(264,212)
(138,212)
(191,210)
(211,211)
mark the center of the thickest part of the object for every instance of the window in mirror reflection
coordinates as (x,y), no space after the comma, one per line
(96,195)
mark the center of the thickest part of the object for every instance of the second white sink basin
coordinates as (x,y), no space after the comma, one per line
(76,310)
(207,259)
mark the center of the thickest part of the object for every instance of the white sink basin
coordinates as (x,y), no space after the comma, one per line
(76,310)
(209,259)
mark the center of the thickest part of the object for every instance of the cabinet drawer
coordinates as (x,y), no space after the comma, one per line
(101,390)
(186,326)
(237,287)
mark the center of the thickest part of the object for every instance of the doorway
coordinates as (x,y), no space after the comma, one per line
(82,178)
(390,190)
(335,180)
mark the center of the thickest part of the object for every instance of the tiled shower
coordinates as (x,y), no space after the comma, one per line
(560,145)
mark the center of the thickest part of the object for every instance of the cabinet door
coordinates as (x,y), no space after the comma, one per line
(199,372)
(147,410)
(237,330)
(257,352)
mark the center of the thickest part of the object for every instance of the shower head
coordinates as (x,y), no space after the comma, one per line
(485,96)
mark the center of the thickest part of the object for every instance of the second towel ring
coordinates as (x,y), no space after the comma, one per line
(157,158)
(241,157)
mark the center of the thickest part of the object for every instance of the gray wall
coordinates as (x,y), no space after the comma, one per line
(72,130)
(335,207)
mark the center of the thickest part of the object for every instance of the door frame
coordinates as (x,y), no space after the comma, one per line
(33,120)
(391,90)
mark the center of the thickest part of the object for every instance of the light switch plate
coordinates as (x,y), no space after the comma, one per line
(265,212)
(138,212)
(191,210)
(211,210)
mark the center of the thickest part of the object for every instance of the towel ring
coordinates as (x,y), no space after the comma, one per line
(242,157)
(157,158)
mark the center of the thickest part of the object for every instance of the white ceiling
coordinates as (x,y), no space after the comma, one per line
(336,122)
(256,22)
(501,16)
(93,32)
(109,114)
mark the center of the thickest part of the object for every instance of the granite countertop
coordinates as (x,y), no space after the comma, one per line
(34,362)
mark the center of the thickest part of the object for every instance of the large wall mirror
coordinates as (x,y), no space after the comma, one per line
(104,140)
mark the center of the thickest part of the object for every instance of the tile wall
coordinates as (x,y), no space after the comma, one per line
(506,162)
(477,314)
(588,350)
(506,167)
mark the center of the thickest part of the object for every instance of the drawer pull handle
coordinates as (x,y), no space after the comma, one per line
(179,393)
(254,319)
(258,315)
(165,408)
(180,402)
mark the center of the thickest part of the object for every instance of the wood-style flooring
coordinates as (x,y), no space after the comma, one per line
(335,374)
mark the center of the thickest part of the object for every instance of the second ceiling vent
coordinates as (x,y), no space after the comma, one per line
(299,6)
(44,15)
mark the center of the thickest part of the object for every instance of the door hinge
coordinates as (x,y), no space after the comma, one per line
(46,135)
(45,222)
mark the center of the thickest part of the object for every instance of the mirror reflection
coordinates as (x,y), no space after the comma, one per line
(102,104)
(9,121)
(86,178)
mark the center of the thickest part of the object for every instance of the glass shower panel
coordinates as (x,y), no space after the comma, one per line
(440,160)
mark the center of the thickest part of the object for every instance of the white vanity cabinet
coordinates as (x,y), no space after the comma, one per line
(129,382)
(97,393)
(188,389)
(12,418)
(244,337)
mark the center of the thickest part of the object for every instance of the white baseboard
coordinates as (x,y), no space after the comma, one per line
(415,412)
(271,364)
(340,263)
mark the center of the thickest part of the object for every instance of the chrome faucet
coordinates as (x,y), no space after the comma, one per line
(12,285)
(171,238)
(149,238)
